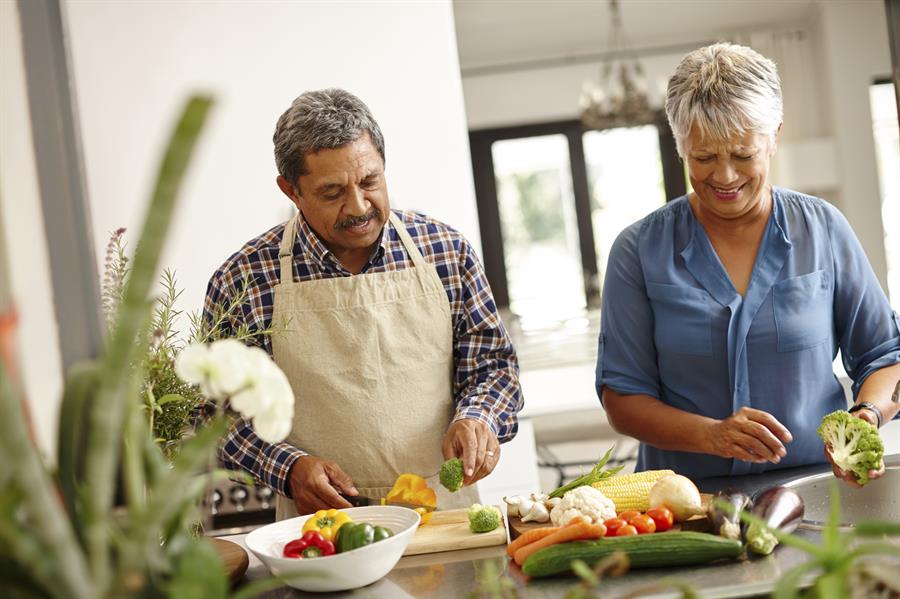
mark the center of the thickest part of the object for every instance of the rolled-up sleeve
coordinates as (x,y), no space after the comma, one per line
(868,330)
(626,353)
(486,379)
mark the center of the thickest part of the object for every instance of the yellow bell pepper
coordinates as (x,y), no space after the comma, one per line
(410,488)
(327,522)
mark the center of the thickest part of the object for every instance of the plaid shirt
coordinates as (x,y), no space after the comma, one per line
(486,374)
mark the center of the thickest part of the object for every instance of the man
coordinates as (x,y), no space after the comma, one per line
(394,348)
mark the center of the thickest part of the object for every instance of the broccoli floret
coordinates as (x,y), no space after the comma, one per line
(483,518)
(452,474)
(855,444)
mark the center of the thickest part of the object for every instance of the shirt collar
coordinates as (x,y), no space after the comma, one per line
(308,243)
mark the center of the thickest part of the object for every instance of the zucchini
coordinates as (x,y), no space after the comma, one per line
(644,551)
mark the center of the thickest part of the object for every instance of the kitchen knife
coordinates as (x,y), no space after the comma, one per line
(361,500)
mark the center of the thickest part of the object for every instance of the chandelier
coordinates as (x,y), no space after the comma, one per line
(619,97)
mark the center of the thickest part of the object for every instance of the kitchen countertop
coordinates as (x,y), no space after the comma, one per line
(456,574)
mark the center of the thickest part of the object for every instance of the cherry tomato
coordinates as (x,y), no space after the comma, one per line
(643,523)
(662,517)
(613,525)
(627,515)
(626,531)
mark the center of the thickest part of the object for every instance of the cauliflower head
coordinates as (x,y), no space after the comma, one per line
(451,474)
(583,502)
(483,518)
(855,444)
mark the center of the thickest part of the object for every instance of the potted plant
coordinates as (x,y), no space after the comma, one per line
(62,533)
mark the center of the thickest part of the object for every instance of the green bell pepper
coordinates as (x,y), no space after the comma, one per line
(353,536)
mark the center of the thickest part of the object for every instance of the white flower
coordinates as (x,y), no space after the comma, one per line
(254,384)
(195,366)
(233,362)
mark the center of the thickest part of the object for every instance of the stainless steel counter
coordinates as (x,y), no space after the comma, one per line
(456,574)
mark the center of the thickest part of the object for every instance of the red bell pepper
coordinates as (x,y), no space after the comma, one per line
(311,544)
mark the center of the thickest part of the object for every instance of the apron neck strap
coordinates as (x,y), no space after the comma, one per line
(286,250)
(407,241)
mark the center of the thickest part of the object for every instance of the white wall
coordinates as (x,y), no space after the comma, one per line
(135,62)
(26,250)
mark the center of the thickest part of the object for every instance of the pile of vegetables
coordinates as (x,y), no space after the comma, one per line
(328,532)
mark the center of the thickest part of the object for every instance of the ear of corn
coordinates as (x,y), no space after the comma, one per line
(631,491)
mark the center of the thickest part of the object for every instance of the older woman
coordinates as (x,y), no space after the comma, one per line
(723,311)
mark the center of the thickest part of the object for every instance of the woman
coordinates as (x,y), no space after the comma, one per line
(723,311)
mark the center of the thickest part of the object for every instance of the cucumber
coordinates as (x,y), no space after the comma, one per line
(644,551)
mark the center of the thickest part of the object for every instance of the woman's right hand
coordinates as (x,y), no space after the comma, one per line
(750,435)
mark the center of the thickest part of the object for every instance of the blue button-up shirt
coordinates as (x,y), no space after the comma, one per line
(675,328)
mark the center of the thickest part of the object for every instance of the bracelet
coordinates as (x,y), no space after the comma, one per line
(864,405)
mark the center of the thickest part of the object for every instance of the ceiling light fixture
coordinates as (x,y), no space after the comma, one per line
(619,97)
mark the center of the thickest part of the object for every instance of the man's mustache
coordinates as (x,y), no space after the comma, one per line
(354,221)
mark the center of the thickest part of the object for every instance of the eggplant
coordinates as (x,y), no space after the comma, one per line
(780,508)
(726,520)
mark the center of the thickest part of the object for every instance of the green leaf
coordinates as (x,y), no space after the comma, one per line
(200,573)
(584,572)
(80,385)
(790,580)
(122,351)
(876,528)
(169,398)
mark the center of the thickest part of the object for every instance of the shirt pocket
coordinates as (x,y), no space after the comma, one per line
(802,307)
(681,319)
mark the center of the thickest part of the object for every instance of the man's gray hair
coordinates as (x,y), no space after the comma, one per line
(724,90)
(320,120)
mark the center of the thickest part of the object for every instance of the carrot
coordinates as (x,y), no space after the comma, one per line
(529,536)
(579,529)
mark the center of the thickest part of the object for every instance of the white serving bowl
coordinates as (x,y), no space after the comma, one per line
(341,571)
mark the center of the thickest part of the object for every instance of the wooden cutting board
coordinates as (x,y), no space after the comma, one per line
(234,557)
(697,523)
(449,531)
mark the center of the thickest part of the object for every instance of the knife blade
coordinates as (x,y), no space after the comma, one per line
(361,500)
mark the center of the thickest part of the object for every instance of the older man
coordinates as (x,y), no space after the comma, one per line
(394,348)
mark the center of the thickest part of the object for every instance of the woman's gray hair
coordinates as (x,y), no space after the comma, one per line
(724,90)
(320,120)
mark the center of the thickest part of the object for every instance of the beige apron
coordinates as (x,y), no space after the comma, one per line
(370,359)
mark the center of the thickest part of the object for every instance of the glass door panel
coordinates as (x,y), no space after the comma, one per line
(540,229)
(625,176)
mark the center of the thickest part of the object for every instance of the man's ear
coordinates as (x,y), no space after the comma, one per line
(287,189)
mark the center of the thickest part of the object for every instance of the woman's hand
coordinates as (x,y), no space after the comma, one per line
(750,435)
(844,475)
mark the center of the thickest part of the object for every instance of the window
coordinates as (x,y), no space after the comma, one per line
(552,198)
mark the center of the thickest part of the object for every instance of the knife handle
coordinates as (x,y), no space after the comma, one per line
(356,500)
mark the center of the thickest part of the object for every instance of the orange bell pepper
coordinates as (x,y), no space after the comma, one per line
(411,488)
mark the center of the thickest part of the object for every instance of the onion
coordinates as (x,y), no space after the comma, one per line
(679,494)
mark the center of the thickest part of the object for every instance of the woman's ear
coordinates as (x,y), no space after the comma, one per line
(775,137)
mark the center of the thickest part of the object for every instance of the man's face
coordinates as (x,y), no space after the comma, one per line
(344,198)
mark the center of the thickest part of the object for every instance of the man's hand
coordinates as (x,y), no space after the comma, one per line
(473,442)
(750,435)
(844,475)
(315,483)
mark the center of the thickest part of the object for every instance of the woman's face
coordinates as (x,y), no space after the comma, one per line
(729,176)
